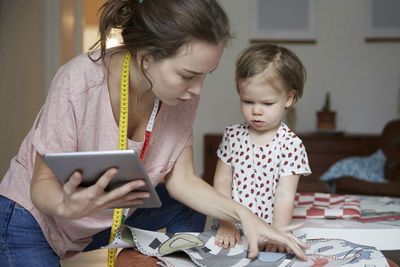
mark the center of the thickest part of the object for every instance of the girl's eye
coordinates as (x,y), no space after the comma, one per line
(247,102)
(268,104)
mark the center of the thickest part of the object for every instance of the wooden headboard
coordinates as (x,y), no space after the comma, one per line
(323,150)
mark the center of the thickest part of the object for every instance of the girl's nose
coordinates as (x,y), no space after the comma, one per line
(256,110)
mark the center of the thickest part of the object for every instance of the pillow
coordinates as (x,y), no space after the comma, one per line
(370,168)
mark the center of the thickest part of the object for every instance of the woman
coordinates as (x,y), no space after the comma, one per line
(173,46)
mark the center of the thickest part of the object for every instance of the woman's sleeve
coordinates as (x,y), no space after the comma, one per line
(55,126)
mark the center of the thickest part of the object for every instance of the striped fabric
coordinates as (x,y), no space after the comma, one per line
(325,206)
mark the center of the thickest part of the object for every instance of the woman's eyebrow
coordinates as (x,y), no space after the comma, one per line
(195,72)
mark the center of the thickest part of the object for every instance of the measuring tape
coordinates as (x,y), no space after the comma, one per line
(122,145)
(120,214)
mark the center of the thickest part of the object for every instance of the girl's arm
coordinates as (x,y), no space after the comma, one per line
(228,234)
(223,178)
(284,200)
(186,187)
(73,202)
(283,209)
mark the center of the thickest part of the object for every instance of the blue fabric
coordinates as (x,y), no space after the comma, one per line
(173,215)
(23,242)
(22,239)
(370,168)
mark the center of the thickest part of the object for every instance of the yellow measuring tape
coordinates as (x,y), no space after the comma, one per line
(122,140)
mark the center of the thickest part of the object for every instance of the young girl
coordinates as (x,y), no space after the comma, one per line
(173,45)
(261,160)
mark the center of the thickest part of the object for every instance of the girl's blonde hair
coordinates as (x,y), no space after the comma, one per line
(282,65)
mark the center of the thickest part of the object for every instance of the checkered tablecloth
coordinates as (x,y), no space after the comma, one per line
(324,205)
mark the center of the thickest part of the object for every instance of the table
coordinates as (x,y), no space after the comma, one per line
(384,235)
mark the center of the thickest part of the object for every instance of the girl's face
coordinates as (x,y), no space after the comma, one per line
(262,104)
(181,77)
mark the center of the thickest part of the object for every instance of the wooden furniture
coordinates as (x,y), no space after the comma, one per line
(323,150)
(130,257)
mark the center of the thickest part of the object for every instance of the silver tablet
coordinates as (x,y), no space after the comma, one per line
(93,164)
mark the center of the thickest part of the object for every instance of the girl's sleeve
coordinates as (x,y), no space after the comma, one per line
(224,149)
(55,128)
(294,160)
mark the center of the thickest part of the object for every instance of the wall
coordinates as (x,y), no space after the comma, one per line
(363,78)
(21,73)
(30,53)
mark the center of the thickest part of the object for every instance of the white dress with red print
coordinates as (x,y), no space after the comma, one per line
(257,169)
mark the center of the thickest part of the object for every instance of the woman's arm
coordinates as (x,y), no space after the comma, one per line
(74,202)
(183,185)
(186,187)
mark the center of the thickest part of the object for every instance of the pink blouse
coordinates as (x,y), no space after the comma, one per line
(77,116)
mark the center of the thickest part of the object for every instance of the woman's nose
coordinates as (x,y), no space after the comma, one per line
(196,88)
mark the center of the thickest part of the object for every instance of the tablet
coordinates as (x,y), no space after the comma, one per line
(92,164)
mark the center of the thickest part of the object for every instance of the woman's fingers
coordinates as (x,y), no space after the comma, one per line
(298,241)
(127,192)
(105,179)
(125,203)
(95,198)
(291,227)
(297,250)
(70,186)
(292,242)
(253,250)
(123,195)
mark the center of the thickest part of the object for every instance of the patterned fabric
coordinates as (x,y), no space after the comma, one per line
(198,249)
(322,205)
(257,168)
(370,169)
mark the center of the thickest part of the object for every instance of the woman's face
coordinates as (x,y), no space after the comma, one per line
(179,78)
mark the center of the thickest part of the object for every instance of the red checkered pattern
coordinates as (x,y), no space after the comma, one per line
(328,206)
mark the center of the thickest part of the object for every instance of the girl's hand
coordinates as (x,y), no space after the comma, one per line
(227,235)
(256,230)
(78,202)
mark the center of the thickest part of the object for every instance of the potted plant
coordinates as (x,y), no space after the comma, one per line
(326,118)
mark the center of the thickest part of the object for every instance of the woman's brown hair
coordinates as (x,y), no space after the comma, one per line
(158,28)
